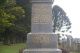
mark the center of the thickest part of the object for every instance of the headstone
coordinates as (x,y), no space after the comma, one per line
(42,39)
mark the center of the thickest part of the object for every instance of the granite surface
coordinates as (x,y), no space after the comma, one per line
(42,40)
(44,50)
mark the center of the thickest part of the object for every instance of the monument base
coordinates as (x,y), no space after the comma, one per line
(42,40)
(42,50)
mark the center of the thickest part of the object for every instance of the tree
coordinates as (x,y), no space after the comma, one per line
(9,13)
(61,22)
(25,21)
(60,19)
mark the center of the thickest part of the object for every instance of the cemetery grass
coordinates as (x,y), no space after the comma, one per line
(12,48)
(74,52)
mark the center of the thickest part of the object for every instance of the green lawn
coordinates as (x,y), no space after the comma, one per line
(11,49)
(74,52)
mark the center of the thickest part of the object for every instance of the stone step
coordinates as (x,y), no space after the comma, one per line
(42,50)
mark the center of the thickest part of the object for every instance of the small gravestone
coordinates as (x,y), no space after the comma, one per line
(42,39)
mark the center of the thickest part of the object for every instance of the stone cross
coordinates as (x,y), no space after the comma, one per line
(42,39)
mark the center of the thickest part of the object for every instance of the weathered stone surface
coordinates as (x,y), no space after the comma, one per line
(42,40)
(46,50)
(51,1)
(41,18)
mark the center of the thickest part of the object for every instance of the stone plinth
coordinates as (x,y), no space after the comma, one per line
(42,1)
(41,18)
(42,39)
(44,50)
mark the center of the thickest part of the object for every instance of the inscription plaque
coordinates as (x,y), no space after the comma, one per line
(42,40)
(40,15)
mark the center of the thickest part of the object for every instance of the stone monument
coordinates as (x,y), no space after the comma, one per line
(42,39)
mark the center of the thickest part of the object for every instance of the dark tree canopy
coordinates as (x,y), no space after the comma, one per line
(25,22)
(60,19)
(10,14)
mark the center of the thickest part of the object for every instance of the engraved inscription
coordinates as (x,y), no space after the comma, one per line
(43,39)
(40,14)
(36,20)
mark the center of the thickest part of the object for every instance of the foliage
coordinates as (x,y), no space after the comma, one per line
(2,2)
(60,19)
(9,12)
(25,22)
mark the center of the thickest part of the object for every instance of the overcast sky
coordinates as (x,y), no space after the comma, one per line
(72,8)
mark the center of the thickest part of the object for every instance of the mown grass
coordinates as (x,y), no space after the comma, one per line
(74,52)
(12,48)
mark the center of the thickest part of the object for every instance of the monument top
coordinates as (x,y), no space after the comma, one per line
(38,1)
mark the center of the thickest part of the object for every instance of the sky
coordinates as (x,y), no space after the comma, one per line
(72,9)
